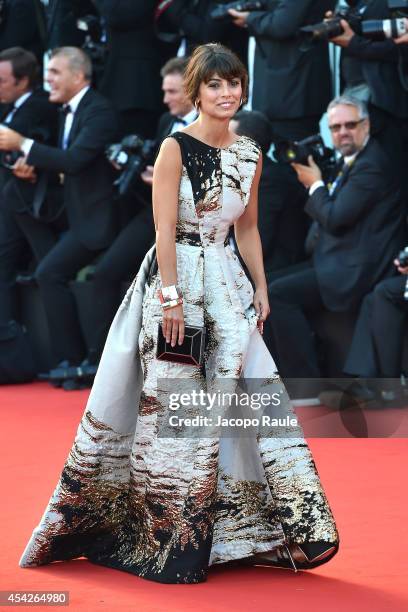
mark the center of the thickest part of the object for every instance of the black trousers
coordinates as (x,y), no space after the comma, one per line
(118,263)
(392,134)
(293,299)
(378,338)
(21,237)
(53,275)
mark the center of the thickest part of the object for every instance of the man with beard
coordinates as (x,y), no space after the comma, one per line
(359,228)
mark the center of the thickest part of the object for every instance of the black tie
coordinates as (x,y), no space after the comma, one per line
(181,120)
(64,110)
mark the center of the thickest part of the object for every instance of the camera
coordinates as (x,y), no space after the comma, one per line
(380,29)
(131,156)
(373,29)
(220,11)
(330,28)
(403,257)
(93,45)
(9,158)
(287,152)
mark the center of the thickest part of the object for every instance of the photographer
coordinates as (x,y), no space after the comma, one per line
(198,27)
(359,228)
(377,346)
(132,74)
(22,24)
(23,231)
(292,82)
(123,258)
(372,69)
(281,199)
(88,124)
(181,111)
(62,16)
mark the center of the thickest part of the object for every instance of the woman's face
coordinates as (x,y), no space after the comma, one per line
(220,98)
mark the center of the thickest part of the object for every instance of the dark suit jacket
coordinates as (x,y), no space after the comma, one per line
(88,190)
(132,75)
(281,218)
(199,28)
(362,227)
(37,118)
(62,16)
(20,28)
(290,82)
(379,63)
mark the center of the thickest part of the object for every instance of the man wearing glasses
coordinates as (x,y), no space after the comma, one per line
(358,224)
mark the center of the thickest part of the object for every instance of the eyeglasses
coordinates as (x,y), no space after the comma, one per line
(349,125)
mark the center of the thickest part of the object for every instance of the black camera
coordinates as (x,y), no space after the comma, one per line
(9,158)
(403,257)
(93,45)
(131,156)
(374,29)
(220,11)
(330,28)
(298,152)
(380,29)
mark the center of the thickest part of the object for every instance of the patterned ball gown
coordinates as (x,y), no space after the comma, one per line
(164,508)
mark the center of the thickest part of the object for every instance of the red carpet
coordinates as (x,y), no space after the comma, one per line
(365,480)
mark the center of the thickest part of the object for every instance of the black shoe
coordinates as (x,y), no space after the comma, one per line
(74,384)
(360,395)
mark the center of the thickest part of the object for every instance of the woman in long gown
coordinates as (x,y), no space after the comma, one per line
(167,508)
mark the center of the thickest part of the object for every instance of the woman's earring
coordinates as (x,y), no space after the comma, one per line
(197,105)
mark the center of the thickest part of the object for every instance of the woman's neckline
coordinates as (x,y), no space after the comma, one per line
(210,146)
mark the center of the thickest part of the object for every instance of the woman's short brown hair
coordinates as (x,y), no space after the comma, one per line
(211,59)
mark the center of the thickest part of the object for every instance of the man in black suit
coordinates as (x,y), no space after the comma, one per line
(89,125)
(377,346)
(26,109)
(374,70)
(23,26)
(292,80)
(181,111)
(198,27)
(62,18)
(132,75)
(123,258)
(283,223)
(360,228)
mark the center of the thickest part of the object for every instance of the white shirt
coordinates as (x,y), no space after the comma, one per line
(17,103)
(69,119)
(187,119)
(73,103)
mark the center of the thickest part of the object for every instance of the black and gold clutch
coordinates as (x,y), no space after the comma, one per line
(191,352)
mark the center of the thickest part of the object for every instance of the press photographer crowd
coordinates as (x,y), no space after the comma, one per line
(77,155)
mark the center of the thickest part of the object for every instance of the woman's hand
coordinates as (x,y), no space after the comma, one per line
(173,325)
(261,303)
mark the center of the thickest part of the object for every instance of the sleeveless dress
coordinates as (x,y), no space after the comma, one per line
(167,508)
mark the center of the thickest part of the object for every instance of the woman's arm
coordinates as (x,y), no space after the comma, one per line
(166,184)
(250,248)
